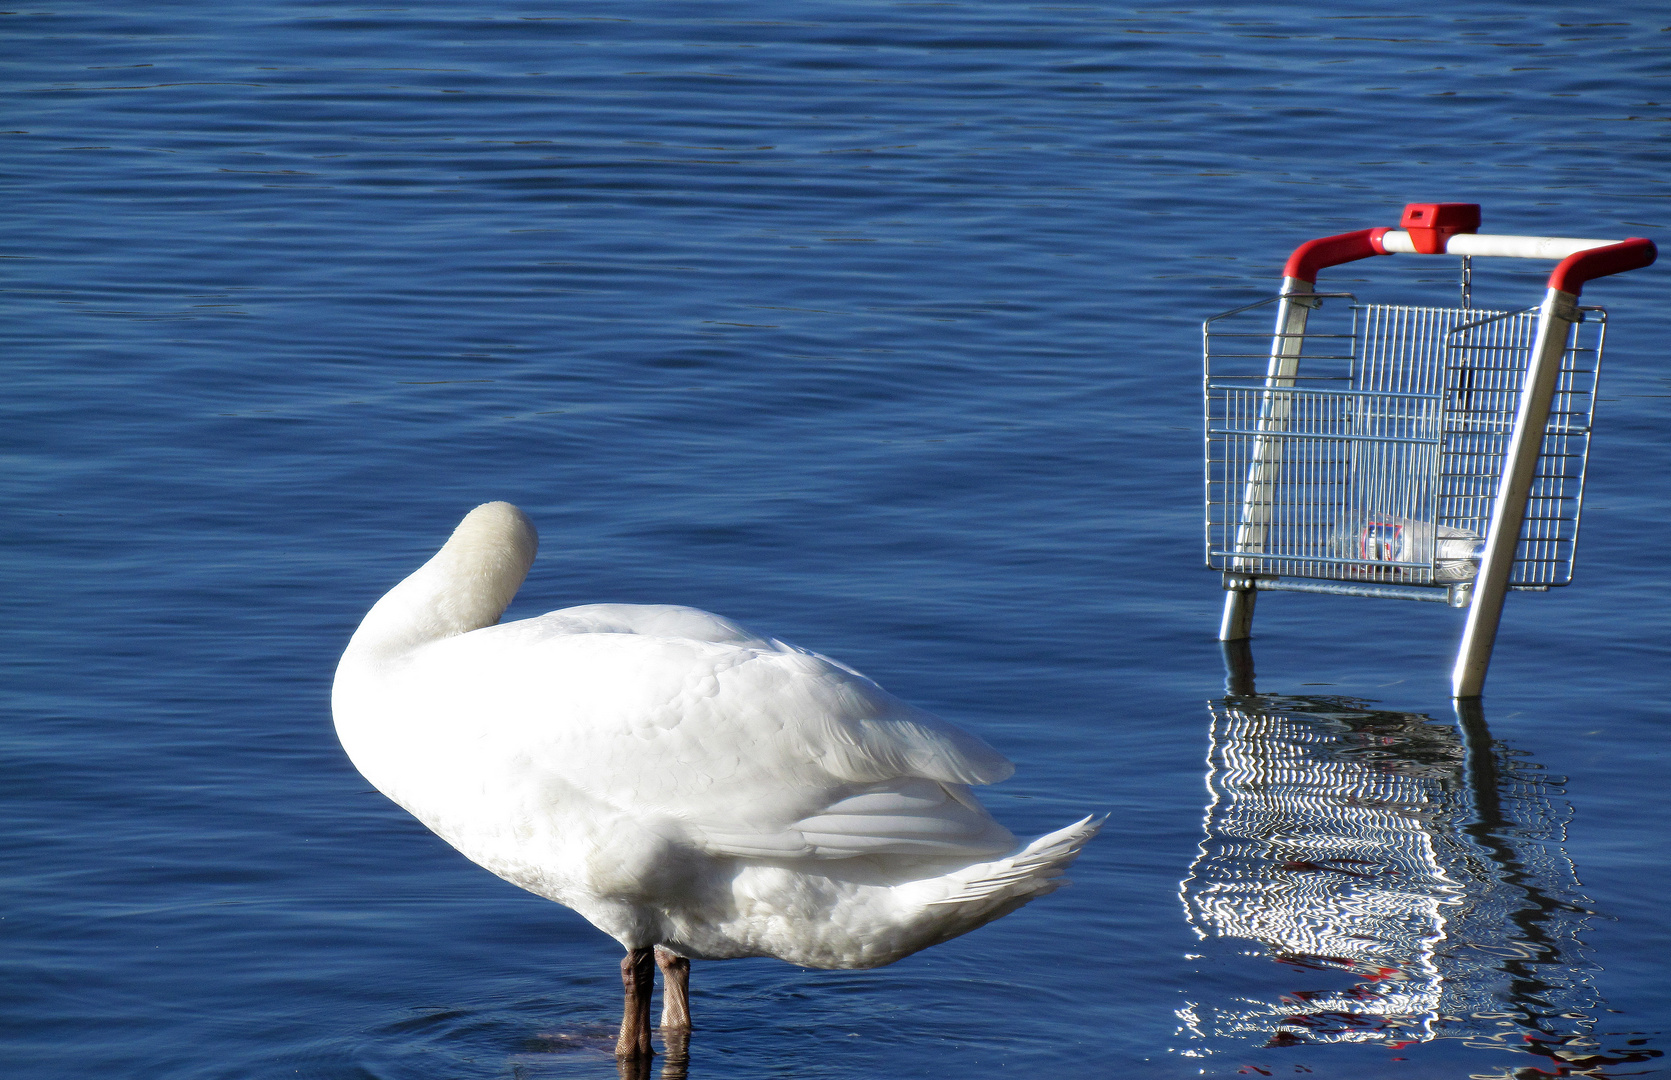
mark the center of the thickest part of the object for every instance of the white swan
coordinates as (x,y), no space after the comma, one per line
(689,787)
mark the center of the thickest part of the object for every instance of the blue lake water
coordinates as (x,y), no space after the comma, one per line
(874,326)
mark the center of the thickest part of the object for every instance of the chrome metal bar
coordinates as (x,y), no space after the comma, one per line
(1236,624)
(1343,588)
(1473,656)
(1332,560)
(1344,438)
(1265,460)
(1334,391)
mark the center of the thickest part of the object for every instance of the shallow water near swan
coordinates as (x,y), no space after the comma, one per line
(873,326)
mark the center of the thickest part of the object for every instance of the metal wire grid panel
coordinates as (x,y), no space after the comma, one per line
(1487,359)
(1374,457)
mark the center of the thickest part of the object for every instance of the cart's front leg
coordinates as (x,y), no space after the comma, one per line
(1237,623)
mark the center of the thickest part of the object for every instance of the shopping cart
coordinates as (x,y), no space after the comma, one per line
(1420,453)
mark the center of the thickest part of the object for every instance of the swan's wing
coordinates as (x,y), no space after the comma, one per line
(752,748)
(901,817)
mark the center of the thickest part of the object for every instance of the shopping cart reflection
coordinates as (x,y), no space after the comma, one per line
(1420,858)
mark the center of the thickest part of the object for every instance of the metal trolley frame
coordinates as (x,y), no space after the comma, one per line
(1419,453)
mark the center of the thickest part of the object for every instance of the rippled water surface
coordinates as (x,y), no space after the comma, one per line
(875,327)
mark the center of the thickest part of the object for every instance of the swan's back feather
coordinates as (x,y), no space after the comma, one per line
(872,735)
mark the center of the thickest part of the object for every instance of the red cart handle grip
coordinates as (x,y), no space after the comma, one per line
(1314,255)
(1574,270)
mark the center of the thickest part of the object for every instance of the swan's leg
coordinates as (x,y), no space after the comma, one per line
(675,991)
(638,977)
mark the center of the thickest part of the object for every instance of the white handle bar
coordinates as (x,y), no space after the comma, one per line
(1515,247)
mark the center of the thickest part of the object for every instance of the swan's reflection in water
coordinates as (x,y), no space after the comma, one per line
(582,1052)
(674,1059)
(1421,858)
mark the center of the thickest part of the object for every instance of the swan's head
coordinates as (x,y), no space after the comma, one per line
(474,576)
(496,537)
(466,586)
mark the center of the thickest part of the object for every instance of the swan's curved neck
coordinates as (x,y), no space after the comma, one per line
(466,586)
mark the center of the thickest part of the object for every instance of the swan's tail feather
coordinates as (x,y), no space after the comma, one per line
(1031,872)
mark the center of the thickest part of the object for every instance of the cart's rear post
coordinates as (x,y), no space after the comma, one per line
(1420,453)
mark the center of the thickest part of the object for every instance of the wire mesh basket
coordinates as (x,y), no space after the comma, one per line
(1379,460)
(1419,453)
